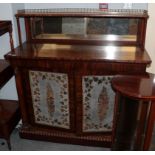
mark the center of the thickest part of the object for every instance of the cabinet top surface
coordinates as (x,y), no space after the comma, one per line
(82,12)
(4,26)
(80,53)
(4,22)
(136,87)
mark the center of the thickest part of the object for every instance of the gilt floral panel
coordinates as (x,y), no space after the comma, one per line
(98,103)
(50,98)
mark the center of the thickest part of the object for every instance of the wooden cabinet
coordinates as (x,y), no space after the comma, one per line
(6,71)
(9,109)
(64,78)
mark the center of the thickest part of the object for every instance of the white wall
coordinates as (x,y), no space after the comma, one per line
(15,7)
(81,5)
(150,36)
(134,5)
(7,12)
(60,5)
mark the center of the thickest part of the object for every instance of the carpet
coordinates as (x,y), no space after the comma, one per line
(19,144)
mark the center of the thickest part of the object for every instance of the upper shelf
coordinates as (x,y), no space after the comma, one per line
(82,12)
(84,26)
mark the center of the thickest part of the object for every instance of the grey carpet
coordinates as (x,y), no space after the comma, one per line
(19,144)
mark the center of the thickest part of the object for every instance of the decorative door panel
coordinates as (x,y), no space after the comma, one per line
(50,98)
(97,104)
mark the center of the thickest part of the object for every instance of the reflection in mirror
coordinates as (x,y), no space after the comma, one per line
(118,26)
(110,29)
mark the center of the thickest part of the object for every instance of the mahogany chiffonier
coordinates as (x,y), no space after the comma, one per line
(9,109)
(64,69)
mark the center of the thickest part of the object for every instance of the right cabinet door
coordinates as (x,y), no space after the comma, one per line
(95,102)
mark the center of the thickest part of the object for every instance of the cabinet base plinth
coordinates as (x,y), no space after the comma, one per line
(63,137)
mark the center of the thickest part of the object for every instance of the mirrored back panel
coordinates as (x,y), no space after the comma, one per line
(109,29)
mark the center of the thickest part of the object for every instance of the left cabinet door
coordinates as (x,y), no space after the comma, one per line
(49,98)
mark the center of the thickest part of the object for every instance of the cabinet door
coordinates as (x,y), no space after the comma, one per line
(49,97)
(95,99)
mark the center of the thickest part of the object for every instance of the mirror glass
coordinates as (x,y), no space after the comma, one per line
(84,28)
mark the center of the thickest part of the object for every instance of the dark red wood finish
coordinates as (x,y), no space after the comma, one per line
(9,109)
(76,58)
(136,91)
(19,31)
(9,117)
(95,60)
(83,13)
(6,72)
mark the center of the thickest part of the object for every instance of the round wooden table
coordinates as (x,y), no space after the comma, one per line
(134,112)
